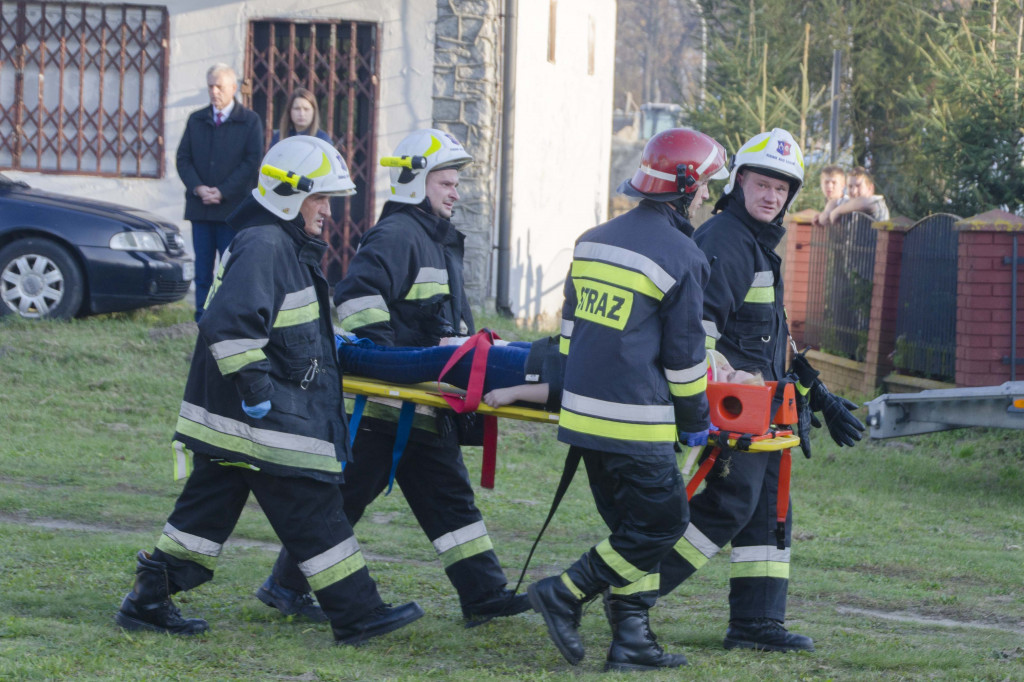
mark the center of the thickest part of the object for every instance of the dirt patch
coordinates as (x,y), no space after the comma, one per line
(176,331)
(919,619)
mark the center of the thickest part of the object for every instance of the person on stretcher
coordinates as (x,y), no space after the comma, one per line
(516,371)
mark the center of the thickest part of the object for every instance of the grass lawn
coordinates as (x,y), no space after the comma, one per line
(907,554)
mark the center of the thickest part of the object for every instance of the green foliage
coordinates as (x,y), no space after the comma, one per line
(906,554)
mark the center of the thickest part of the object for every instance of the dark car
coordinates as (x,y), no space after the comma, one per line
(63,256)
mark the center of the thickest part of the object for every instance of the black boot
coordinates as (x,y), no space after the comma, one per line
(502,603)
(764,634)
(634,646)
(290,602)
(149,607)
(383,619)
(562,612)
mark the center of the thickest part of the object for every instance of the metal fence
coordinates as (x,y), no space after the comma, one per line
(926,312)
(841,273)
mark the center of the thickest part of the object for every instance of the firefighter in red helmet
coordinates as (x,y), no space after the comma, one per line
(635,378)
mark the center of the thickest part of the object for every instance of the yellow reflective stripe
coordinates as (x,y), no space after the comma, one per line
(466,550)
(576,592)
(364,318)
(649,583)
(333,565)
(182,460)
(266,453)
(189,547)
(168,546)
(690,554)
(800,388)
(647,433)
(627,279)
(290,318)
(759,147)
(324,169)
(617,562)
(563,345)
(709,342)
(759,569)
(233,363)
(692,388)
(760,295)
(424,290)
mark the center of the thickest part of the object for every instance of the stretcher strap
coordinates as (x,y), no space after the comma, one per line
(702,472)
(401,439)
(357,416)
(782,505)
(480,343)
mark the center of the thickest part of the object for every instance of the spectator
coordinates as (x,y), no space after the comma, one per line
(833,186)
(862,198)
(218,160)
(301,116)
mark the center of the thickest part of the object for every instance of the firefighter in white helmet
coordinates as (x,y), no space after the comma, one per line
(404,287)
(744,319)
(262,411)
(635,379)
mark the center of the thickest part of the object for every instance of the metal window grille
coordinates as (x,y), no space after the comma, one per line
(337,62)
(841,273)
(82,87)
(926,310)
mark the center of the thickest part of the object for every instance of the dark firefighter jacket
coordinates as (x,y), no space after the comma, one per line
(744,316)
(635,370)
(405,287)
(267,335)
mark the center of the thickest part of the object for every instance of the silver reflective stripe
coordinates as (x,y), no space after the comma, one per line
(712,155)
(655,173)
(685,376)
(760,553)
(358,305)
(701,542)
(460,537)
(628,259)
(297,299)
(567,326)
(270,439)
(182,466)
(193,543)
(225,349)
(711,329)
(332,557)
(765,278)
(436,275)
(604,409)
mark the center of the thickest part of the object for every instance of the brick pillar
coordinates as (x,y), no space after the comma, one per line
(885,292)
(796,265)
(984,298)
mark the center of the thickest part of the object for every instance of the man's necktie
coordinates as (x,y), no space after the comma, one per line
(219,119)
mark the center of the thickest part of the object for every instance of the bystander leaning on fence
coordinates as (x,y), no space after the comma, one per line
(860,187)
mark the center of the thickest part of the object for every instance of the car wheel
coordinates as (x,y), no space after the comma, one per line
(39,278)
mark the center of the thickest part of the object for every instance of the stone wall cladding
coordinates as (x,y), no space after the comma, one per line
(467,104)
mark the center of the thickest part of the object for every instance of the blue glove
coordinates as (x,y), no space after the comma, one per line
(338,341)
(694,439)
(257,411)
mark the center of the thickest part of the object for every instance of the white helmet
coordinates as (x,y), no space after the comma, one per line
(417,155)
(297,167)
(775,154)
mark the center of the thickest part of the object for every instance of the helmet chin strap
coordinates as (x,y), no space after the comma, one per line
(682,204)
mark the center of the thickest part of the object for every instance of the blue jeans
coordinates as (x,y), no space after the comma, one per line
(209,238)
(412,365)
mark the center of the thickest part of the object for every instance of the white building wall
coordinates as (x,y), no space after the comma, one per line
(562,147)
(203,32)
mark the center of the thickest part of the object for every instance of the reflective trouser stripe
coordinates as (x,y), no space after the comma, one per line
(695,547)
(605,428)
(334,565)
(463,543)
(649,583)
(761,561)
(188,547)
(618,563)
(576,592)
(182,460)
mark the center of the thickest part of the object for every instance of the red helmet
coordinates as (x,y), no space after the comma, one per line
(674,163)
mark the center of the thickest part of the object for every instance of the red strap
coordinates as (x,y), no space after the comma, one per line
(702,472)
(490,451)
(782,506)
(481,342)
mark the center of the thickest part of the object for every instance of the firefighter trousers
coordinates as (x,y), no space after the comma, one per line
(435,483)
(643,502)
(306,514)
(738,505)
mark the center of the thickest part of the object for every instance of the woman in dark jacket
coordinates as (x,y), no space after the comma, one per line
(301,116)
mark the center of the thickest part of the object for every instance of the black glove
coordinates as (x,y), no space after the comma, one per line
(805,420)
(844,428)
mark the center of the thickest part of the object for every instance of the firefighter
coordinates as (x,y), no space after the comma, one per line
(262,411)
(635,379)
(404,287)
(744,320)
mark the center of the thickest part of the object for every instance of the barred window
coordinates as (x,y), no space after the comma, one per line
(82,88)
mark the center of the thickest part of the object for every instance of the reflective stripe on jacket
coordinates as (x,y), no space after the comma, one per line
(635,369)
